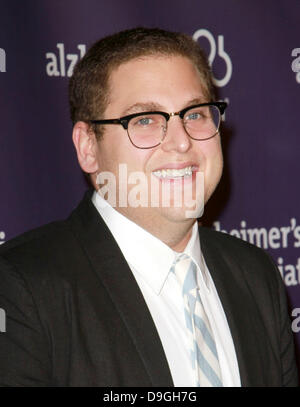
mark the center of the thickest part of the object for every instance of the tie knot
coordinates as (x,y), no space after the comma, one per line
(185,270)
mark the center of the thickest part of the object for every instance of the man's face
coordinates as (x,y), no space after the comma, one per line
(163,84)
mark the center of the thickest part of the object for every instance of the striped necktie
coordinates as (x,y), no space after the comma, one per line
(204,355)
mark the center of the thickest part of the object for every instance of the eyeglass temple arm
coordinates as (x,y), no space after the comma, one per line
(123,122)
(221,105)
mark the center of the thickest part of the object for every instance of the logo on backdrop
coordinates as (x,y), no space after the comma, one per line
(2,60)
(2,237)
(216,50)
(275,238)
(296,63)
(2,312)
(61,63)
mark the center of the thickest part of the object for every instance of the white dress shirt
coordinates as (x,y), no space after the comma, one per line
(150,261)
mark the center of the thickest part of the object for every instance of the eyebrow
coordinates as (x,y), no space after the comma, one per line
(143,107)
(152,106)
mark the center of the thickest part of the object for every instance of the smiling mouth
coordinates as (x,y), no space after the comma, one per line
(169,173)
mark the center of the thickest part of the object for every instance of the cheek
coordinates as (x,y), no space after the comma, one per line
(112,154)
(212,153)
(140,160)
(217,156)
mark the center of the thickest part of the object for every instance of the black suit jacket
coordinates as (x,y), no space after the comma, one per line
(76,317)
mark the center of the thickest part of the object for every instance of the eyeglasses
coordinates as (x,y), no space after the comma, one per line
(148,129)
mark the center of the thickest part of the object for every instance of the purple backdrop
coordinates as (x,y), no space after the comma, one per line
(254,49)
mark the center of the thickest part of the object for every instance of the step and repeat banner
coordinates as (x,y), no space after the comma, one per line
(254,50)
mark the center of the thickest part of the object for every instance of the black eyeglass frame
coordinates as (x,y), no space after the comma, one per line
(124,121)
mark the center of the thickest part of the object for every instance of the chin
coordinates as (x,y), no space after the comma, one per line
(181,214)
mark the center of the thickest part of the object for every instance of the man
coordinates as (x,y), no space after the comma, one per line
(127,291)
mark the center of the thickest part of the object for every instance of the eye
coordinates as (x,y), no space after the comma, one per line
(143,121)
(194,116)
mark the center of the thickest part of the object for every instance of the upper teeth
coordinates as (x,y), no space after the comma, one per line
(173,172)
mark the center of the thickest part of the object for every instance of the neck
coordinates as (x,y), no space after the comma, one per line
(175,234)
(181,245)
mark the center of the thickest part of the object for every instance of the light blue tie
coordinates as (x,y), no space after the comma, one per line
(204,355)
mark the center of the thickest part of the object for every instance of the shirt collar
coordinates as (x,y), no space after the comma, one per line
(146,254)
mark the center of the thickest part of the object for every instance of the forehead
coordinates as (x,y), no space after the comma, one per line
(156,78)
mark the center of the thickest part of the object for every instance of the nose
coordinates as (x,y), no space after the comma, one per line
(175,136)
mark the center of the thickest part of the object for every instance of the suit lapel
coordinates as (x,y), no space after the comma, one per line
(115,274)
(240,310)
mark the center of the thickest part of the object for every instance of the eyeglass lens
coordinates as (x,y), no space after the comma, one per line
(148,130)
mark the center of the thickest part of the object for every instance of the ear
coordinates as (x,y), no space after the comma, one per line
(85,142)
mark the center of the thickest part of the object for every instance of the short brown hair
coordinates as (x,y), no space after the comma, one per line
(88,87)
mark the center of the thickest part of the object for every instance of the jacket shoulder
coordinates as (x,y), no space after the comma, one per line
(33,236)
(46,250)
(229,242)
(49,235)
(233,250)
